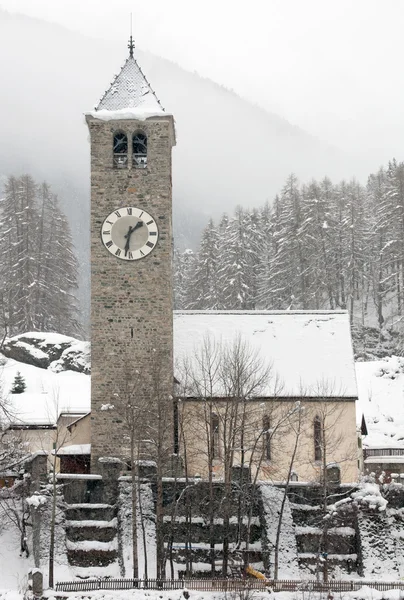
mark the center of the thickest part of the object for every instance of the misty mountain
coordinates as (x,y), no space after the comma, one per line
(228,152)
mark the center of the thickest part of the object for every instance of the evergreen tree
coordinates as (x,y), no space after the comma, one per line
(205,283)
(182,278)
(236,269)
(19,385)
(38,268)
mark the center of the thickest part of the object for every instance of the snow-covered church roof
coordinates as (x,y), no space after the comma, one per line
(310,352)
(130,94)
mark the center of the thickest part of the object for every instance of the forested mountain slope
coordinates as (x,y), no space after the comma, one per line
(319,246)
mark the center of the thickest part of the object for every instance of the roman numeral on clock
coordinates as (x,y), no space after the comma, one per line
(118,214)
(150,244)
(109,244)
(152,232)
(107,232)
(130,255)
(118,252)
(129,211)
(150,222)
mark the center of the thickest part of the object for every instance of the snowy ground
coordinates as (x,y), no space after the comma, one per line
(47,393)
(381,400)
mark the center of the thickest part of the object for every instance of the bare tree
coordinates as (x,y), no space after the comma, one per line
(295,426)
(146,394)
(224,381)
(330,456)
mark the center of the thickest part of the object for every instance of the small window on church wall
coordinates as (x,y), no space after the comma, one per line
(120,150)
(215,436)
(317,439)
(139,150)
(266,426)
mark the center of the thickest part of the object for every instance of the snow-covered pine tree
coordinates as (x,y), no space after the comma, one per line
(289,271)
(38,269)
(381,274)
(60,274)
(394,209)
(204,283)
(19,386)
(19,228)
(237,271)
(182,278)
(318,229)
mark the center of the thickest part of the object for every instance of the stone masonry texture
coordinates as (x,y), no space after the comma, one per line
(131,301)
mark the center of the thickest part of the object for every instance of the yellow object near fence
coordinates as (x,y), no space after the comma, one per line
(255,573)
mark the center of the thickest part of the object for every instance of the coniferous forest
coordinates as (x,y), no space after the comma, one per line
(317,246)
(38,267)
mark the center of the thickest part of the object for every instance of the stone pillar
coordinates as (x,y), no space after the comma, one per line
(37,467)
(110,468)
(241,474)
(147,469)
(35,579)
(333,475)
(177,466)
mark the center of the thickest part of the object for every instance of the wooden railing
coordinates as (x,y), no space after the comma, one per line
(368,452)
(219,585)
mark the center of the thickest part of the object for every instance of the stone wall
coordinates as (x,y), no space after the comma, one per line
(131,307)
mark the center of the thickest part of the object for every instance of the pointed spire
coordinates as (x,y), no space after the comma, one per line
(130,89)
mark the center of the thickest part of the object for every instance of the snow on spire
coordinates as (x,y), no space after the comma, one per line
(130,90)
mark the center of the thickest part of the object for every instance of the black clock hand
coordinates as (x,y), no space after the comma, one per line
(130,231)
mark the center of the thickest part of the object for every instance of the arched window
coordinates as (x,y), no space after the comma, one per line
(266,435)
(318,442)
(139,146)
(294,476)
(214,432)
(120,150)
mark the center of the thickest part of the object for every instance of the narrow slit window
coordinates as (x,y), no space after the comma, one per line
(266,429)
(215,435)
(120,150)
(139,146)
(317,435)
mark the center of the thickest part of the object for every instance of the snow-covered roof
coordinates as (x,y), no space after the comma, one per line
(381,401)
(130,90)
(308,351)
(74,450)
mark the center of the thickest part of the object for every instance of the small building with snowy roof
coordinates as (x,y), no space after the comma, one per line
(380,413)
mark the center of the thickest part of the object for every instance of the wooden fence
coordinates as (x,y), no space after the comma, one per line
(225,585)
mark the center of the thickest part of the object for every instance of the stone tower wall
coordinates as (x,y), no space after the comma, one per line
(131,301)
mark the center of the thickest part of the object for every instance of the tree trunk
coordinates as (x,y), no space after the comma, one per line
(135,557)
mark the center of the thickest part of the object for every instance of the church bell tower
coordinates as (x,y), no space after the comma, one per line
(131,255)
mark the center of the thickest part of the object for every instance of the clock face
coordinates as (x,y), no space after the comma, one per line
(129,233)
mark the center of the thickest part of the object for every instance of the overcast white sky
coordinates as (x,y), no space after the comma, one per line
(335,67)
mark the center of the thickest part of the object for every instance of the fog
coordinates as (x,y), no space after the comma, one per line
(315,91)
(331,67)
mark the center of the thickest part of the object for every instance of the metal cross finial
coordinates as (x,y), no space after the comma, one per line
(131,46)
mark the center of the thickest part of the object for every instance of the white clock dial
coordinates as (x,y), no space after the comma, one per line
(129,233)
